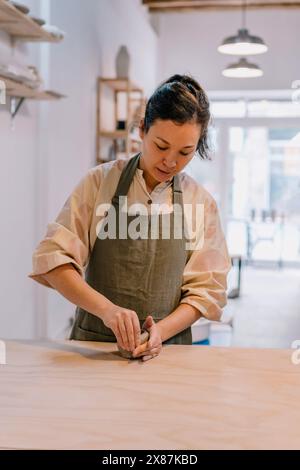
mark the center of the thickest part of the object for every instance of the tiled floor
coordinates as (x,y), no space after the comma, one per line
(266,315)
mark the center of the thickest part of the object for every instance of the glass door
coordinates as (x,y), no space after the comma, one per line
(264,198)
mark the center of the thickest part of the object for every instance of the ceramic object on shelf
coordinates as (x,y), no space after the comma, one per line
(29,76)
(121,125)
(54,31)
(122,63)
(38,21)
(36,81)
(22,8)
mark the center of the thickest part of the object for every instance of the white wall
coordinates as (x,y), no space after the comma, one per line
(53,145)
(17,203)
(188,44)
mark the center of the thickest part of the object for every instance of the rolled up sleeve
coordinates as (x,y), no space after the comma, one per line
(205,274)
(67,238)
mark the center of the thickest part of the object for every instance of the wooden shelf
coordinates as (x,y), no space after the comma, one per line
(18,90)
(21,26)
(118,84)
(117,135)
(122,134)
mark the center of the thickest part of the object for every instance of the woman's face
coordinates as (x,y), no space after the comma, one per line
(167,148)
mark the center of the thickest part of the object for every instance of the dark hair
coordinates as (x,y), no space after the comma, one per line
(180,99)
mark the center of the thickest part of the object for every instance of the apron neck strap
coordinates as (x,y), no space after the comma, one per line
(177,193)
(127,177)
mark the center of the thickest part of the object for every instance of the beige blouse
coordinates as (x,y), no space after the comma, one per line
(71,237)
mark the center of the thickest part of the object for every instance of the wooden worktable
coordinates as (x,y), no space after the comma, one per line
(75,395)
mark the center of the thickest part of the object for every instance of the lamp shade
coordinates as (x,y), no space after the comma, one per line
(243,44)
(242,69)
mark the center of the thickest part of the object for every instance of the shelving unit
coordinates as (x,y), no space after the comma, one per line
(113,136)
(20,26)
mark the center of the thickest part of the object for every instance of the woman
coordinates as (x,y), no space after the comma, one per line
(157,283)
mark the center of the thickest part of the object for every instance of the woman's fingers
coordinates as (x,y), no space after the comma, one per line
(137,330)
(123,334)
(154,346)
(119,337)
(125,325)
(152,351)
(140,349)
(129,333)
(128,326)
(148,323)
(146,351)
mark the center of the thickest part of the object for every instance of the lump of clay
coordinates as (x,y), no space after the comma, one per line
(128,354)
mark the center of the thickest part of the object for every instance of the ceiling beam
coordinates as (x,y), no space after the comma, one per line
(180,5)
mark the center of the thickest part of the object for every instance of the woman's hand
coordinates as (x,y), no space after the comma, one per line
(125,325)
(153,346)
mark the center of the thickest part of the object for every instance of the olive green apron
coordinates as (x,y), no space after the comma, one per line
(144,275)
